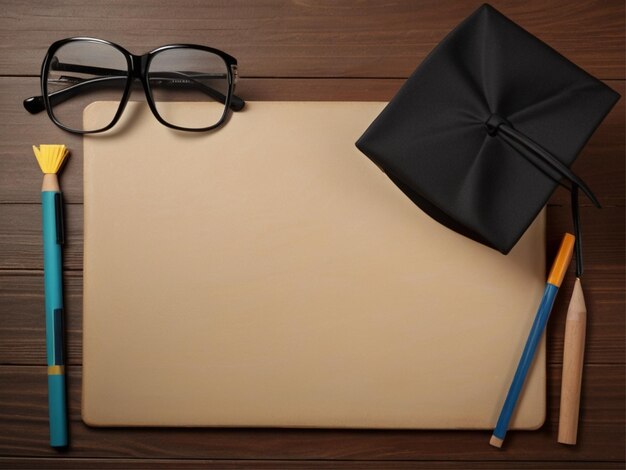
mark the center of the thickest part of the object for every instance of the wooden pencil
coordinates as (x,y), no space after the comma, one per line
(573,357)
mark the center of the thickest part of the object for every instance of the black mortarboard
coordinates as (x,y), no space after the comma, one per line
(482,132)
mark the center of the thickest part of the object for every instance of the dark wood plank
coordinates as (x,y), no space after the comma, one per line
(325,40)
(22,336)
(602,236)
(601,164)
(21,292)
(20,237)
(23,412)
(20,176)
(62,462)
(308,39)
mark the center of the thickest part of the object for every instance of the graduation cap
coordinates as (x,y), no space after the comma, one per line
(483,131)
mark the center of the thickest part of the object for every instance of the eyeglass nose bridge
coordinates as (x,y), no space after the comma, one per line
(138,65)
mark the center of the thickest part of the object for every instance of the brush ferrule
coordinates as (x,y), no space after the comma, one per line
(50,182)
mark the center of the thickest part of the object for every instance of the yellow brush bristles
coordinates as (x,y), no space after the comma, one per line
(50,157)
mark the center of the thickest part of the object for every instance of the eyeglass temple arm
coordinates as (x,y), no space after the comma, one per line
(36,104)
(173,79)
(236,103)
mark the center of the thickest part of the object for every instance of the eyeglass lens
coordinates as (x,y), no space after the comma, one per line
(184,75)
(80,73)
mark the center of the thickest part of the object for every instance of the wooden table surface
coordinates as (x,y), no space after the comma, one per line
(298,50)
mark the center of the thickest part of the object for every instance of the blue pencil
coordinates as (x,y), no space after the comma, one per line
(51,158)
(557,273)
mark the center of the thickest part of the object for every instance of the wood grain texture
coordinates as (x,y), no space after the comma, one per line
(197,464)
(601,163)
(300,50)
(305,38)
(23,410)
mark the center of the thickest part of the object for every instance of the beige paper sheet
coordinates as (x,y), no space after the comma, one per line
(269,274)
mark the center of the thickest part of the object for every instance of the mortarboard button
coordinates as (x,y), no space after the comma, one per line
(493,124)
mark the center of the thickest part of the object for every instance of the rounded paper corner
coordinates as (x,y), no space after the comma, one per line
(88,417)
(537,422)
(92,109)
(89,108)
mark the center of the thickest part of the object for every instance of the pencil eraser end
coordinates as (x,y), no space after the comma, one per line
(496,442)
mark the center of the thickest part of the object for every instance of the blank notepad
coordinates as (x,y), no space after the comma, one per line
(268,274)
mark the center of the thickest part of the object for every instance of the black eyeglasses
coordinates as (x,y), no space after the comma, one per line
(79,71)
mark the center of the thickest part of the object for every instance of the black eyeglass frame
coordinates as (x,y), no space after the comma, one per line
(137,68)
